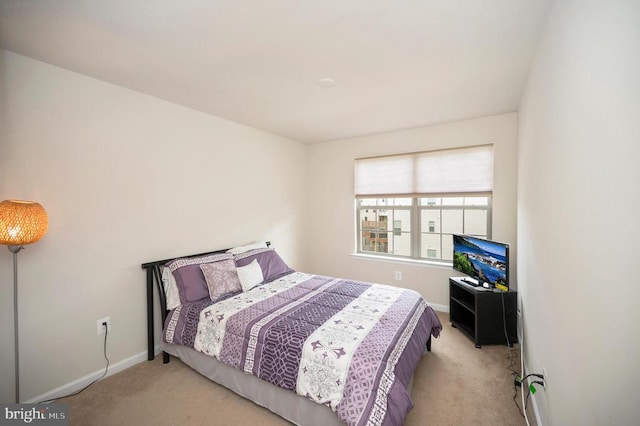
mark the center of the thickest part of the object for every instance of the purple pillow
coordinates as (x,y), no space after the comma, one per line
(270,262)
(190,280)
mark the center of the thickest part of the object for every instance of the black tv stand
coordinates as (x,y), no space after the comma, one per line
(478,313)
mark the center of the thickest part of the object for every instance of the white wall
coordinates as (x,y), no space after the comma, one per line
(578,214)
(331,230)
(125,178)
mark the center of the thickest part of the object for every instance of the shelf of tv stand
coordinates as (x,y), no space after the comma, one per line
(478,313)
(464,303)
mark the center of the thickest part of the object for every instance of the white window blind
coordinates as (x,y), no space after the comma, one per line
(448,171)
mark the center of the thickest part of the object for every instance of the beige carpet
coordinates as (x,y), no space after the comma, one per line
(455,384)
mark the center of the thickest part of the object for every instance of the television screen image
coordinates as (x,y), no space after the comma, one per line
(483,260)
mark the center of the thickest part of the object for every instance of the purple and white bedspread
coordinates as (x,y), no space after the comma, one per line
(350,345)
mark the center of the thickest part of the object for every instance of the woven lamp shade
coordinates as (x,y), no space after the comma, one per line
(22,222)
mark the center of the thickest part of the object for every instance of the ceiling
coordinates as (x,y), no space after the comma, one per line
(396,64)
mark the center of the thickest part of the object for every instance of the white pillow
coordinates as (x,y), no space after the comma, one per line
(250,275)
(170,289)
(242,249)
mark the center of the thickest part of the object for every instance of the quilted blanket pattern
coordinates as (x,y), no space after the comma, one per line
(337,342)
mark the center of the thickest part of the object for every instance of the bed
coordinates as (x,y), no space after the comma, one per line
(315,350)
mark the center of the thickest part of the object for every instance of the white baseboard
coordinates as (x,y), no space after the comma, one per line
(439,308)
(80,383)
(532,399)
(534,404)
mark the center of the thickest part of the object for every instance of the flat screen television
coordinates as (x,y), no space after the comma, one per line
(484,261)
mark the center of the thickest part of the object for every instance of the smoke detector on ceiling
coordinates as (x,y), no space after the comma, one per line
(326,82)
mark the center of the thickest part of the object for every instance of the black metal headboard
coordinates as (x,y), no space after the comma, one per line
(154,274)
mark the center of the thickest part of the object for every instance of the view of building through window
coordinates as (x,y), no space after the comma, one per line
(420,227)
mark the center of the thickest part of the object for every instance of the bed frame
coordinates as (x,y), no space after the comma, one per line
(154,274)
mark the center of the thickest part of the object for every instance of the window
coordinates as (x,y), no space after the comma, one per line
(387,226)
(435,221)
(409,205)
(397,227)
(451,215)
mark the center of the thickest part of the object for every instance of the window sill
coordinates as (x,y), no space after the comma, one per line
(429,263)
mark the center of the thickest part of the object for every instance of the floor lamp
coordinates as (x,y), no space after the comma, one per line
(21,223)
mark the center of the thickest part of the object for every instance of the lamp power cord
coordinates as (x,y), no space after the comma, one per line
(106,368)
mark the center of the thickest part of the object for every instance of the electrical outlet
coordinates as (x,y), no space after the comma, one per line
(398,275)
(100,325)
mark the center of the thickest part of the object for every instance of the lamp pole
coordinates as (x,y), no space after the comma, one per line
(15,250)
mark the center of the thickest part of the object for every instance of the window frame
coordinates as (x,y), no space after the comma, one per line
(416,231)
